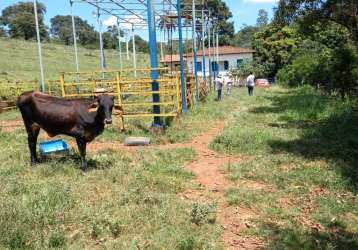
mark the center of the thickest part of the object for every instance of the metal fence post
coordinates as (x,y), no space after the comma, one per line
(203,40)
(181,49)
(194,51)
(39,48)
(153,61)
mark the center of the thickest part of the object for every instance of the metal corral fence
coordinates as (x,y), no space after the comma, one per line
(10,90)
(133,95)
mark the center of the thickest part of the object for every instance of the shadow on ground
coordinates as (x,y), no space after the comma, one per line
(336,237)
(59,160)
(328,129)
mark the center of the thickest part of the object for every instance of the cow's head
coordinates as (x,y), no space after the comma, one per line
(105,106)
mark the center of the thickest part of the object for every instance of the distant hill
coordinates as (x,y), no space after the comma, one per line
(19,60)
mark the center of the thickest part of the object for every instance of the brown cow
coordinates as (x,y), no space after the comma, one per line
(64,116)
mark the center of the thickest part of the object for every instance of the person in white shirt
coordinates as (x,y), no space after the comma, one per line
(250,83)
(218,86)
(229,83)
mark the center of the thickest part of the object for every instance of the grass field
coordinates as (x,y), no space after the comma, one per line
(19,60)
(130,200)
(298,152)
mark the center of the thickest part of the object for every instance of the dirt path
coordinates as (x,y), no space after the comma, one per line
(11,126)
(213,184)
(207,169)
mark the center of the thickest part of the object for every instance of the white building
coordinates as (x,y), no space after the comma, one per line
(229,57)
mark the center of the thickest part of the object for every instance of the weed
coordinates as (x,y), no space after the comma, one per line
(116,228)
(96,231)
(187,243)
(202,213)
(57,240)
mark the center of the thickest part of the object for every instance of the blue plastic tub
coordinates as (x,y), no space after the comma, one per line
(53,146)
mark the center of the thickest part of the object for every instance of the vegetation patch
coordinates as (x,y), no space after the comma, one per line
(302,144)
(125,200)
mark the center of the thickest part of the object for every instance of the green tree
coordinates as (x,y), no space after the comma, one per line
(308,12)
(245,36)
(20,20)
(262,18)
(220,14)
(140,43)
(61,29)
(326,58)
(110,37)
(274,46)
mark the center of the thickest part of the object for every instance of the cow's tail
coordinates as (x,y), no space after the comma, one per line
(24,99)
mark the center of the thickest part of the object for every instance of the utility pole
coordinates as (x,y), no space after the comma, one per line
(181,50)
(194,51)
(134,53)
(74,37)
(99,22)
(39,48)
(203,29)
(119,46)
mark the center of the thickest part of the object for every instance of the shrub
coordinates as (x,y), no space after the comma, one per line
(303,70)
(333,70)
(202,213)
(57,240)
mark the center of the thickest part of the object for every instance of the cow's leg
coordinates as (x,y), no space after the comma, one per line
(81,143)
(35,134)
(32,134)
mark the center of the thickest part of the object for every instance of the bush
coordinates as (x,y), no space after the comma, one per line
(303,70)
(202,213)
(333,70)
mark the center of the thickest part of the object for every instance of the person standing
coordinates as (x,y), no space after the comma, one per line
(229,83)
(219,86)
(250,83)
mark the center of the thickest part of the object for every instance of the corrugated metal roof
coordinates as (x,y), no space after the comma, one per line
(224,50)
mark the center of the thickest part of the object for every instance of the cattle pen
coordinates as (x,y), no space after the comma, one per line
(151,92)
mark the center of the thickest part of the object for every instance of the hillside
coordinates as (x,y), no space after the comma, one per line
(19,60)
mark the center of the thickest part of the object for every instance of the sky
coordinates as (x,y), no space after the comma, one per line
(244,11)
